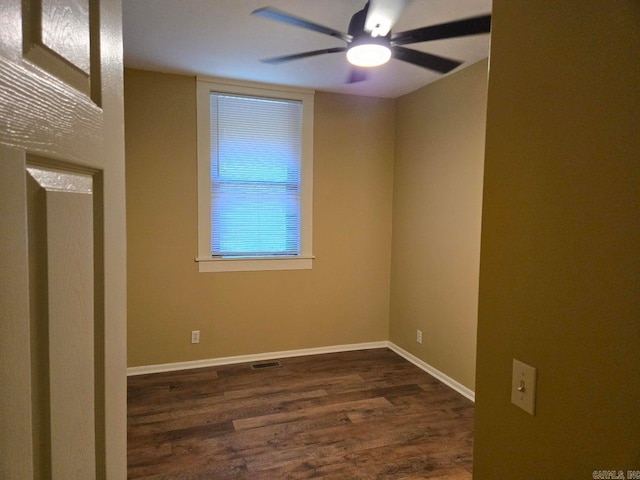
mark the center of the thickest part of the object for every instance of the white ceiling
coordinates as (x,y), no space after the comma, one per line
(221,38)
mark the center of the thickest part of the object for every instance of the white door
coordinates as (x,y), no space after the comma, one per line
(62,241)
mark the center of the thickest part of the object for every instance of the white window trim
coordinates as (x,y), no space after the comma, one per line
(206,263)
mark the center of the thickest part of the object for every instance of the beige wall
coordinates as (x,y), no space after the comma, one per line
(343,300)
(560,270)
(436,221)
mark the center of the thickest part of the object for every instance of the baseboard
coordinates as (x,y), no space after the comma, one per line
(434,372)
(213,362)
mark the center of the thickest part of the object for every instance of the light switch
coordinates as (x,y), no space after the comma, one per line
(523,386)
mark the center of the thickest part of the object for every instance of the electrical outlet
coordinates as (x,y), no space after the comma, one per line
(523,386)
(195,336)
(419,336)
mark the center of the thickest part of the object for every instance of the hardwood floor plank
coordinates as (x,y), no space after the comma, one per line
(354,415)
(326,383)
(303,413)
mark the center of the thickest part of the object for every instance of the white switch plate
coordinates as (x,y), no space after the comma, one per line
(195,336)
(419,336)
(523,386)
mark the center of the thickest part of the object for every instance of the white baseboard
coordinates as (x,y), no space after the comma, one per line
(434,372)
(213,362)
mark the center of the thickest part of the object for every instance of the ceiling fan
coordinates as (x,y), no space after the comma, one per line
(370,42)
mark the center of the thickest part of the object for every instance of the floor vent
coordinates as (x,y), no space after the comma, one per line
(263,365)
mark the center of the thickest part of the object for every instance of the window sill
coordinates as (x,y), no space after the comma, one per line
(208,264)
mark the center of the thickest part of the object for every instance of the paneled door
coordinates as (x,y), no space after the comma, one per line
(62,241)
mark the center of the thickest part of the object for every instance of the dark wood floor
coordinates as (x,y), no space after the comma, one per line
(357,415)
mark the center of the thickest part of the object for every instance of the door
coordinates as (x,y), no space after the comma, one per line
(62,241)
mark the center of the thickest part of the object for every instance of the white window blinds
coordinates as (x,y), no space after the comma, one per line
(256,147)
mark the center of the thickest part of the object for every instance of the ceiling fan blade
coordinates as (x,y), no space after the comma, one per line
(297,56)
(358,75)
(284,17)
(459,28)
(382,16)
(425,60)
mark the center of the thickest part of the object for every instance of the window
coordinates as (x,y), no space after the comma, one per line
(255,167)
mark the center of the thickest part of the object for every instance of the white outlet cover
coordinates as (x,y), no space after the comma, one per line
(523,386)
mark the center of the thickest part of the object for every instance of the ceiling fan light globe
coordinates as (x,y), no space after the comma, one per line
(368,54)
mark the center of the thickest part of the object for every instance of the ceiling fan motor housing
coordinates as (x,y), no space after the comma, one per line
(365,49)
(357,23)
